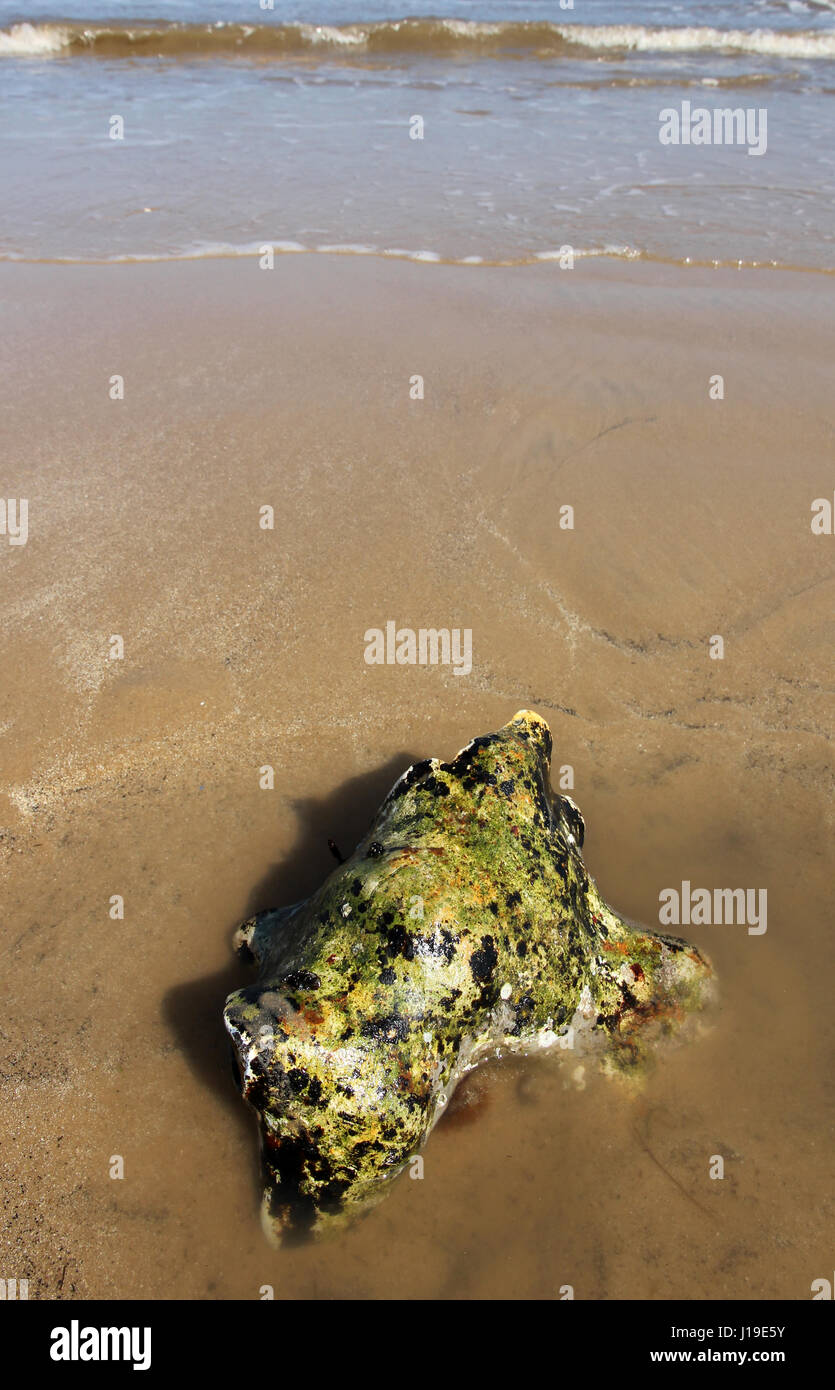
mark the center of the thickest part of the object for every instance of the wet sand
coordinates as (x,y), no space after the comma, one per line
(244,647)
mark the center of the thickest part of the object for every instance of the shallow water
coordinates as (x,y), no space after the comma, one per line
(294,129)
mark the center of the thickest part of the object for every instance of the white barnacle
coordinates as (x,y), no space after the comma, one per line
(346,909)
(506,991)
(585,1005)
(546,1038)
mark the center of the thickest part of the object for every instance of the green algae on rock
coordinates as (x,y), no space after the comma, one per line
(464,924)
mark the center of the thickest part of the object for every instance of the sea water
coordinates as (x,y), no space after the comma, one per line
(496,131)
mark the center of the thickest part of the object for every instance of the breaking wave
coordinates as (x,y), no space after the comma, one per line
(531,40)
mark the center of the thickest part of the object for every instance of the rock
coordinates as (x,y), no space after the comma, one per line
(464,924)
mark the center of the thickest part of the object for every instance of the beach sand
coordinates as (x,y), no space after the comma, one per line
(244,647)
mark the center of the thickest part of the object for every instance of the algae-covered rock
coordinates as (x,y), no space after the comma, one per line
(464,923)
